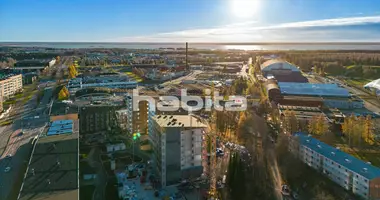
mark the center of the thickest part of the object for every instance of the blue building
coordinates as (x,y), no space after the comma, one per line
(357,176)
(332,95)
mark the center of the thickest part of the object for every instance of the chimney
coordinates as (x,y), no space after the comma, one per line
(187,64)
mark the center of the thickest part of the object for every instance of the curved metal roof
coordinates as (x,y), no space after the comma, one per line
(373,84)
(271,62)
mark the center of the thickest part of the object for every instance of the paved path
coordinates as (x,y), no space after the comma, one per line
(101,177)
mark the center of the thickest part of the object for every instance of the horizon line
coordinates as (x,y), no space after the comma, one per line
(219,43)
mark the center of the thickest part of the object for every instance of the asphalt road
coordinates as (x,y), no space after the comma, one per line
(190,76)
(31,127)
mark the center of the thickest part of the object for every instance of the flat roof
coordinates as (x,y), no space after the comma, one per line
(186,121)
(60,127)
(348,161)
(60,122)
(299,108)
(313,89)
(63,177)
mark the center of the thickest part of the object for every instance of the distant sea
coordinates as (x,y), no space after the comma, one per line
(240,46)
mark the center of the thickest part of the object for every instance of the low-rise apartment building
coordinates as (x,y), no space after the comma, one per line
(357,176)
(177,146)
(10,85)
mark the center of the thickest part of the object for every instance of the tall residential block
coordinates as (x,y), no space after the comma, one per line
(138,119)
(177,146)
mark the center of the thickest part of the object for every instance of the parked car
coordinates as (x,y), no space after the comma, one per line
(285,190)
(7,169)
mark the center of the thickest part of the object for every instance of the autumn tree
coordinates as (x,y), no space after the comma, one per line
(63,94)
(318,125)
(242,119)
(368,133)
(72,71)
(290,121)
(353,127)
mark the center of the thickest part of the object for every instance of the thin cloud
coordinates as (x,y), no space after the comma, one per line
(305,31)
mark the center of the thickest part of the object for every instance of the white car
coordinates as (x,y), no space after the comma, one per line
(285,190)
(7,169)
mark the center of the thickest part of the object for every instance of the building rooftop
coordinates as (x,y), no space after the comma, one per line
(350,162)
(53,171)
(6,76)
(313,89)
(61,127)
(186,121)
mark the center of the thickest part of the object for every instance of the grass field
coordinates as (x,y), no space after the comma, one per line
(358,81)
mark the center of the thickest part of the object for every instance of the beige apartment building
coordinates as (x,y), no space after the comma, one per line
(10,85)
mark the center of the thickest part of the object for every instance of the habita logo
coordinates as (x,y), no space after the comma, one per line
(191,103)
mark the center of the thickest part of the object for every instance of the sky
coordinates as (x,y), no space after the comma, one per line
(190,21)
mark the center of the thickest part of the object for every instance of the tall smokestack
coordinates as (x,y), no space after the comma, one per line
(187,64)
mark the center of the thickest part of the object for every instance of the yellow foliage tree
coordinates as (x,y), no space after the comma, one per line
(242,119)
(353,127)
(72,71)
(62,95)
(66,91)
(290,121)
(318,125)
(368,133)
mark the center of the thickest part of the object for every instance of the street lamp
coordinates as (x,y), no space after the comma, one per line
(135,137)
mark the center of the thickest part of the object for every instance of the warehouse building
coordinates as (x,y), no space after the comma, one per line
(332,95)
(53,169)
(282,71)
(357,176)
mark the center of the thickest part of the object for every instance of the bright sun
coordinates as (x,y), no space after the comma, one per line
(244,8)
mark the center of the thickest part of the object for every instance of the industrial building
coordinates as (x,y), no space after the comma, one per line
(33,65)
(53,169)
(177,146)
(10,85)
(282,71)
(309,94)
(303,113)
(113,82)
(357,176)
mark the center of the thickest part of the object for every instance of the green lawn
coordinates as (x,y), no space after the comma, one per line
(9,102)
(360,82)
(5,123)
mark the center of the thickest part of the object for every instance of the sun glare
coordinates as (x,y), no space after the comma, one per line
(244,8)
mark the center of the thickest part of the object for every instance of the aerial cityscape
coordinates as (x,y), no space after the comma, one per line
(190,100)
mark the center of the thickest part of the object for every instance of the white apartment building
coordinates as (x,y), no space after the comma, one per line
(355,175)
(10,85)
(177,146)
